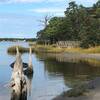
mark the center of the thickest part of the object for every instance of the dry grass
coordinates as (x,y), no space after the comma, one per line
(93,50)
(12,50)
(52,49)
(47,49)
(80,50)
(74,50)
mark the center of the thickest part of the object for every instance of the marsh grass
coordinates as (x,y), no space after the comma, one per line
(53,49)
(12,50)
(81,50)
(47,49)
(92,50)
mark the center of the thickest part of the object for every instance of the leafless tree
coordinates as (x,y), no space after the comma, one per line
(45,21)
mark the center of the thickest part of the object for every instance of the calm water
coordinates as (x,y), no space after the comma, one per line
(51,77)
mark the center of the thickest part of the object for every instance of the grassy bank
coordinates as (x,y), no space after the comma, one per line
(80,50)
(54,49)
(12,50)
(47,49)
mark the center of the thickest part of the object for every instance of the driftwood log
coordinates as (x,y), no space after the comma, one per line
(29,70)
(18,80)
(28,66)
(25,65)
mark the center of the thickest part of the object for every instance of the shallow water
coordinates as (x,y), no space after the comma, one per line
(51,77)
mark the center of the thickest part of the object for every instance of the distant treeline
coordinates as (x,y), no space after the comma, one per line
(18,39)
(79,24)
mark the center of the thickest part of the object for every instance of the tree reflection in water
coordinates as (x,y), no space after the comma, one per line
(73,71)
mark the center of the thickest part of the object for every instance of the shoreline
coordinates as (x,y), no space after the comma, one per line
(69,56)
(93,59)
(92,92)
(57,50)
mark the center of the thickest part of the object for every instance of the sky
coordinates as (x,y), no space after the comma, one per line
(20,18)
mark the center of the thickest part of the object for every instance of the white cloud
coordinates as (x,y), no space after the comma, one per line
(28,1)
(33,1)
(47,10)
(20,1)
(23,1)
(54,0)
(86,1)
(53,11)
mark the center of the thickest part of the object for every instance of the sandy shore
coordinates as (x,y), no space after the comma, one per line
(92,94)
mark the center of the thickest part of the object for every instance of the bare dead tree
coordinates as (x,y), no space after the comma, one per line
(45,21)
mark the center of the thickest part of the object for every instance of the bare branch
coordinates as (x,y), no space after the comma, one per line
(45,21)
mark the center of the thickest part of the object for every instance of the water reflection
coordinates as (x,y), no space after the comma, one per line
(72,58)
(52,75)
(29,84)
(74,71)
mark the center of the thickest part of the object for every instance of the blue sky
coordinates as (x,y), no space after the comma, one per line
(20,18)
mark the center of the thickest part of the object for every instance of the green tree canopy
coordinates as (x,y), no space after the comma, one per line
(80,23)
